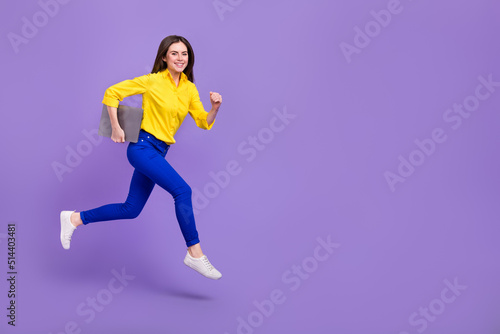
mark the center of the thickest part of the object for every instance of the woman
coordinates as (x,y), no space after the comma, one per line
(169,94)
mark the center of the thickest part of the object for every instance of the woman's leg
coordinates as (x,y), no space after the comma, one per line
(140,190)
(163,174)
(156,168)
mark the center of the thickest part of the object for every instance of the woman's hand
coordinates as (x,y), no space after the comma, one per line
(118,135)
(216,100)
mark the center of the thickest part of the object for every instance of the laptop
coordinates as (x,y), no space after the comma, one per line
(129,118)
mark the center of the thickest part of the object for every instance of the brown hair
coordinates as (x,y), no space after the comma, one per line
(161,65)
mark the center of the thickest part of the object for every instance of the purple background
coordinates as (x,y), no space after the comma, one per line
(322,175)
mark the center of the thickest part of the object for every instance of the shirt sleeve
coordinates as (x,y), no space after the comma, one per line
(197,111)
(119,91)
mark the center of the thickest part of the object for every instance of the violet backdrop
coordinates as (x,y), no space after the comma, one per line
(341,189)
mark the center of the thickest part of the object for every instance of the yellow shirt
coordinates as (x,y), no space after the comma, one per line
(165,105)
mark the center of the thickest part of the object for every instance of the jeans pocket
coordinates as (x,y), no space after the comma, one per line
(141,151)
(133,150)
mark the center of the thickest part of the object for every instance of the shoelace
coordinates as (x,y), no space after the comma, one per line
(207,263)
(68,234)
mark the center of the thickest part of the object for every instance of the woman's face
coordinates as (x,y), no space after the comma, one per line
(176,57)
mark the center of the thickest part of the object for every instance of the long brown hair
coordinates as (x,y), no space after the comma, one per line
(161,65)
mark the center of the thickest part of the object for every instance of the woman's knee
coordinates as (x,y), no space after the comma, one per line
(183,191)
(186,189)
(131,211)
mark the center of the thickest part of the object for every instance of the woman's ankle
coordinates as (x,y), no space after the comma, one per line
(195,251)
(75,219)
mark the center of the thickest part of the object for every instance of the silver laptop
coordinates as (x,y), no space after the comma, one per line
(129,118)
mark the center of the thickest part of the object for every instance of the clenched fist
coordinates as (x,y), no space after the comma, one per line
(215,99)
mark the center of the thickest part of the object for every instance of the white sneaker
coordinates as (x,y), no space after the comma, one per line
(67,228)
(202,265)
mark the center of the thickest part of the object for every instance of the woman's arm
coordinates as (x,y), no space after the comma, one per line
(117,133)
(116,93)
(203,119)
(215,100)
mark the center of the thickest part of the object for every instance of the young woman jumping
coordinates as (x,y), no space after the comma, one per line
(169,94)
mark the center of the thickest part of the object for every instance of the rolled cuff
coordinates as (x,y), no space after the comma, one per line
(190,243)
(83,217)
(201,121)
(110,102)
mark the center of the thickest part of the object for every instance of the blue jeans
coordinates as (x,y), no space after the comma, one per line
(147,156)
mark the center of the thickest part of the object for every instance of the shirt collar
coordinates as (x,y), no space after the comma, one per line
(166,74)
